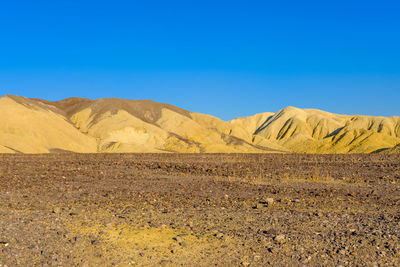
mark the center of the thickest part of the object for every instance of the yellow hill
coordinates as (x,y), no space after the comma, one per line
(121,125)
(29,126)
(395,149)
(6,150)
(315,131)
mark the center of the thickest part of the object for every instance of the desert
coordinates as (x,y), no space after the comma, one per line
(71,209)
(200,133)
(116,182)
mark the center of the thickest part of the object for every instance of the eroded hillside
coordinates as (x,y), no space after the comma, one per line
(121,125)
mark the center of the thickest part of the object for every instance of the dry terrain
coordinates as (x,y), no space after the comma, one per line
(144,126)
(199,210)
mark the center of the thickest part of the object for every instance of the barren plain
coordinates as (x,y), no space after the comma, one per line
(199,210)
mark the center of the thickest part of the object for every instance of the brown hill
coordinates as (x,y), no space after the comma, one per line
(121,125)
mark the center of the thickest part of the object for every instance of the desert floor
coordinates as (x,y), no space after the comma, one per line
(199,210)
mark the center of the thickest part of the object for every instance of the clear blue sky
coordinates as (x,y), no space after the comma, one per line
(225,58)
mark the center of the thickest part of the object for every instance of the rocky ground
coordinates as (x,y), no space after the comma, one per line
(199,210)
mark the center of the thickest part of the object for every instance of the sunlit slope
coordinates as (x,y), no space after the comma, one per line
(315,131)
(122,125)
(29,126)
(395,149)
(6,150)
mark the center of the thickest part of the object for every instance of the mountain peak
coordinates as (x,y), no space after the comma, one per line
(123,125)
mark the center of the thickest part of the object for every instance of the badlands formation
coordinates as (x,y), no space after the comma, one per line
(120,125)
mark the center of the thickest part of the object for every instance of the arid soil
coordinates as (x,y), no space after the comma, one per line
(199,210)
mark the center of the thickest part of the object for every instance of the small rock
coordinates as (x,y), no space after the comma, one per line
(219,235)
(164,262)
(183,244)
(307,259)
(56,210)
(318,213)
(273,250)
(270,232)
(280,238)
(43,252)
(353,232)
(269,201)
(264,203)
(178,239)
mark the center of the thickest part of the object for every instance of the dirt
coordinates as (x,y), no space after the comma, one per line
(199,210)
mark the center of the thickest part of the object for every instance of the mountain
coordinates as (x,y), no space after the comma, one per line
(391,150)
(315,131)
(121,125)
(30,126)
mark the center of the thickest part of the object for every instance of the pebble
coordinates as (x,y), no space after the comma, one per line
(273,250)
(56,210)
(280,238)
(164,262)
(178,239)
(318,213)
(258,206)
(269,201)
(264,203)
(270,232)
(307,259)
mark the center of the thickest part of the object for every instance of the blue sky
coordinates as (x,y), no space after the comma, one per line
(225,58)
